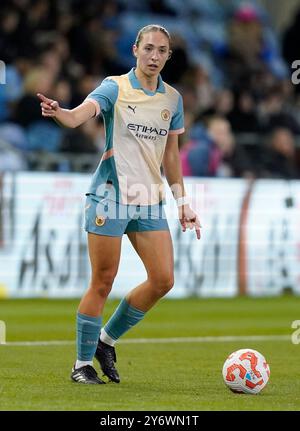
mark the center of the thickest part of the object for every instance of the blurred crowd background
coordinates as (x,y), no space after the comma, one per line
(230,63)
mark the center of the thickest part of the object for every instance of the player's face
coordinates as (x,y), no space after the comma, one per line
(152,53)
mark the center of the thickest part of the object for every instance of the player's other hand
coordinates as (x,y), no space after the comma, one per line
(189,219)
(49,106)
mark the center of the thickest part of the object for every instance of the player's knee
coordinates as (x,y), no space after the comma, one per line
(162,285)
(102,284)
(169,283)
(101,289)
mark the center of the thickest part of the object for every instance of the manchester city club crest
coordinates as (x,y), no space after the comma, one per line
(165,115)
(100,220)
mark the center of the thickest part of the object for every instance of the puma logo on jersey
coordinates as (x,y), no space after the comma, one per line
(132,108)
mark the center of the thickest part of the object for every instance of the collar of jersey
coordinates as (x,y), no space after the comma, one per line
(135,83)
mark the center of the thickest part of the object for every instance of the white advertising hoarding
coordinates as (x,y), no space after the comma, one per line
(273,238)
(44,251)
(209,267)
(43,246)
(46,256)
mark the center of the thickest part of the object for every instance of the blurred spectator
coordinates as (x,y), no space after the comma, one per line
(242,55)
(246,31)
(41,16)
(38,79)
(227,159)
(177,65)
(291,40)
(160,7)
(278,161)
(11,91)
(42,134)
(51,61)
(221,103)
(62,93)
(88,138)
(84,87)
(190,100)
(198,80)
(224,102)
(243,118)
(195,152)
(272,112)
(251,50)
(10,38)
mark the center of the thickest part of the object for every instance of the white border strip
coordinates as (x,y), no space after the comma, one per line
(216,339)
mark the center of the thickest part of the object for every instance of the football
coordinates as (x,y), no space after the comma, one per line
(246,371)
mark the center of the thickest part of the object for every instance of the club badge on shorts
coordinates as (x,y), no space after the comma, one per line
(100,220)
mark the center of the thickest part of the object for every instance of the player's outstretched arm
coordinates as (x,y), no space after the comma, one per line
(66,117)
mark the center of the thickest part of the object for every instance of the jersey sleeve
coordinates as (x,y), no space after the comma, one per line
(104,97)
(177,122)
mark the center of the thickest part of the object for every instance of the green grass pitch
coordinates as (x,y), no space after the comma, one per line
(155,376)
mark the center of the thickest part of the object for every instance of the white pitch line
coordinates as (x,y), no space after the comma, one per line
(216,339)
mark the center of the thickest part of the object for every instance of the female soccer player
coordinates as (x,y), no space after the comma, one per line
(143,118)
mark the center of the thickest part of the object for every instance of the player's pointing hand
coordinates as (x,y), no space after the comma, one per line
(189,219)
(49,106)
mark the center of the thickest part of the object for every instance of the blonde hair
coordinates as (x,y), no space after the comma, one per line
(148,29)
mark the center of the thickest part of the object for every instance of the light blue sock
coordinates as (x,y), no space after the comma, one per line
(88,330)
(120,322)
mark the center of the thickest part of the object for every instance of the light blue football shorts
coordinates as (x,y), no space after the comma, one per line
(106,217)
